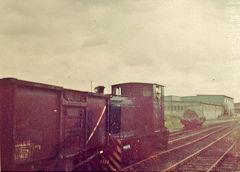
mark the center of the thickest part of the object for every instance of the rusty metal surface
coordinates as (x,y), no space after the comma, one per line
(141,108)
(40,122)
(73,117)
(49,127)
(6,109)
(36,123)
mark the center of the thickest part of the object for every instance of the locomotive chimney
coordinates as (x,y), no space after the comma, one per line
(99,89)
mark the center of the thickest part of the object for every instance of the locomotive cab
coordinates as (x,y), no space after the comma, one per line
(137,116)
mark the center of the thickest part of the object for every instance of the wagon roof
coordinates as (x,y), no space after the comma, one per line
(29,83)
(47,86)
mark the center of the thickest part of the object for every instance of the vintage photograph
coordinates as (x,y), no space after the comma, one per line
(120,85)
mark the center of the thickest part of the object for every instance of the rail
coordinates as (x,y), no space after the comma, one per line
(198,152)
(170,150)
(219,160)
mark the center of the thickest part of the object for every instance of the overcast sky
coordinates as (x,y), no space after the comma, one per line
(190,46)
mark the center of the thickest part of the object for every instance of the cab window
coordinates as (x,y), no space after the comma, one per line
(158,92)
(115,118)
(147,92)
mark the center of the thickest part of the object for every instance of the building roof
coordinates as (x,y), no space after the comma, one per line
(214,95)
(237,105)
(198,102)
(201,95)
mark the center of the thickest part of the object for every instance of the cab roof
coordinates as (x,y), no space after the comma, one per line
(136,83)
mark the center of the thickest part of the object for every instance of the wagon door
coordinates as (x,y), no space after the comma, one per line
(73,122)
(96,121)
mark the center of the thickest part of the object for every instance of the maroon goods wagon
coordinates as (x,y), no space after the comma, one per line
(47,127)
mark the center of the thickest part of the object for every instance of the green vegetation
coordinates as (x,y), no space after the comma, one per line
(219,119)
(173,123)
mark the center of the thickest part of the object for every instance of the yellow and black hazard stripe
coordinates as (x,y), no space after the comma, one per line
(111,159)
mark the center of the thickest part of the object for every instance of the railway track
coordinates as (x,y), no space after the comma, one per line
(186,149)
(206,157)
(192,136)
(228,162)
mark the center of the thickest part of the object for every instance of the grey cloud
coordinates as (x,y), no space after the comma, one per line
(94,42)
(177,43)
(137,60)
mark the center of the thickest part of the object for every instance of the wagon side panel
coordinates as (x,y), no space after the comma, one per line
(6,126)
(36,123)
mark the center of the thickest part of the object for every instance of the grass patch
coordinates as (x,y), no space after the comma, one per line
(219,119)
(173,122)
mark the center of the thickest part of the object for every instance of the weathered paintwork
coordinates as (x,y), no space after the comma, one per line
(46,127)
(137,116)
(41,123)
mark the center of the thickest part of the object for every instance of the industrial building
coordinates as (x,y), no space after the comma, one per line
(237,109)
(175,105)
(225,101)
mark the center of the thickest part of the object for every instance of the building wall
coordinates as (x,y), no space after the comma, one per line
(237,109)
(172,98)
(229,105)
(218,99)
(177,108)
(212,111)
(223,100)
